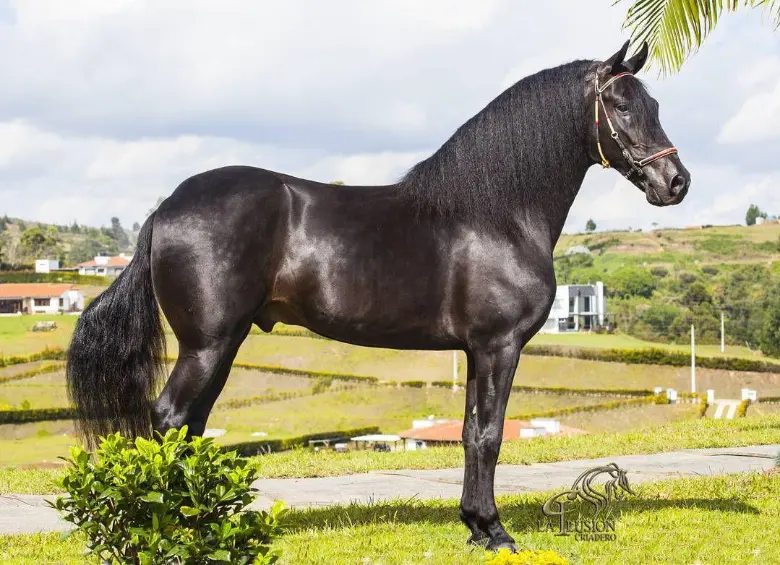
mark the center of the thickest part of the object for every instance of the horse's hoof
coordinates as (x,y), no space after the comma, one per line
(499,545)
(479,539)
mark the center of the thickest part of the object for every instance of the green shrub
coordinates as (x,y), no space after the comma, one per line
(322,385)
(413,384)
(16,416)
(630,281)
(56,277)
(48,354)
(175,501)
(742,409)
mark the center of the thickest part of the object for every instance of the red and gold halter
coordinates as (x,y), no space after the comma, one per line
(634,164)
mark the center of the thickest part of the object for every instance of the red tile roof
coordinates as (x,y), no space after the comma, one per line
(453,431)
(112,262)
(34,290)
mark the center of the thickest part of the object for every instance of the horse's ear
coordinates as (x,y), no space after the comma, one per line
(635,63)
(614,64)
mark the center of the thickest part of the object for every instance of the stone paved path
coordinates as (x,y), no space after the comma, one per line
(26,514)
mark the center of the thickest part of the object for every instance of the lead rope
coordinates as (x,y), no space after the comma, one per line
(636,166)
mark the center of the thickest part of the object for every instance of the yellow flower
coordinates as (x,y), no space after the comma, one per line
(526,557)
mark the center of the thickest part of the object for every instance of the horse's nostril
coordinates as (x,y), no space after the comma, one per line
(678,185)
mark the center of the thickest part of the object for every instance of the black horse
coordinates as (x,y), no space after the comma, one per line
(456,255)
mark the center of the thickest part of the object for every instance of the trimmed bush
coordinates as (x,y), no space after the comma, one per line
(36,415)
(42,370)
(742,409)
(413,384)
(57,277)
(653,356)
(304,372)
(175,501)
(612,405)
(48,354)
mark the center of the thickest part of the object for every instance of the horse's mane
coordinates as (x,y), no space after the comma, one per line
(513,152)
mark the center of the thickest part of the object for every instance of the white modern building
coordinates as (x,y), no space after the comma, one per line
(577,307)
(46,265)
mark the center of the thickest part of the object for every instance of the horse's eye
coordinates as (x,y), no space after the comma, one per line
(622,108)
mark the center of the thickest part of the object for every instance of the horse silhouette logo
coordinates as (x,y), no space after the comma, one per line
(599,526)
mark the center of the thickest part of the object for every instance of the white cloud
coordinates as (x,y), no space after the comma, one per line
(55,178)
(108,104)
(757,120)
(719,194)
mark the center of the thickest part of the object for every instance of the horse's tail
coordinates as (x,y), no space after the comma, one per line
(117,353)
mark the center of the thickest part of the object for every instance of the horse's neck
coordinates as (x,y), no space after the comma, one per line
(544,217)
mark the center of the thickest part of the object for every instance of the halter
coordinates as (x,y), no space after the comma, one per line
(635,165)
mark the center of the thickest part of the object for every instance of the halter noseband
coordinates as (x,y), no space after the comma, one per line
(635,165)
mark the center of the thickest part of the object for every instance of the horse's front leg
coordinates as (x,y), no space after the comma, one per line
(487,396)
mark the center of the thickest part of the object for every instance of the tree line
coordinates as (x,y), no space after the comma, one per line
(661,303)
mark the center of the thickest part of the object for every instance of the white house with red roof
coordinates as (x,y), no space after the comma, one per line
(104,266)
(40,298)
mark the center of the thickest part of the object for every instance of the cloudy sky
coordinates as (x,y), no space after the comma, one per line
(107,104)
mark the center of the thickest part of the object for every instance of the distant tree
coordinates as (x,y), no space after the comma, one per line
(89,248)
(117,233)
(696,294)
(3,246)
(753,212)
(3,223)
(631,281)
(590,225)
(75,227)
(336,182)
(136,226)
(769,335)
(36,241)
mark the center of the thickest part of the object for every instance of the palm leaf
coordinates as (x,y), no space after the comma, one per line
(675,29)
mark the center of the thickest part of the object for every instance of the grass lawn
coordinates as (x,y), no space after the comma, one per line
(391,409)
(683,434)
(17,337)
(707,520)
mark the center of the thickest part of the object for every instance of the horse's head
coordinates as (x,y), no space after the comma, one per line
(628,135)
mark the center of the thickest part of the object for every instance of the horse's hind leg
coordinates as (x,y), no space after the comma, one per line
(197,379)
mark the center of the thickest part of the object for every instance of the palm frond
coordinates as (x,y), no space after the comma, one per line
(675,29)
(772,7)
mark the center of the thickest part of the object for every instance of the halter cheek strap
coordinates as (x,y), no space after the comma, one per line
(635,165)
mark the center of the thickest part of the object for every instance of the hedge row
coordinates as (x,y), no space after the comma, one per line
(248,448)
(60,277)
(305,372)
(612,405)
(653,356)
(36,415)
(583,391)
(43,369)
(48,354)
(645,356)
(273,397)
(259,399)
